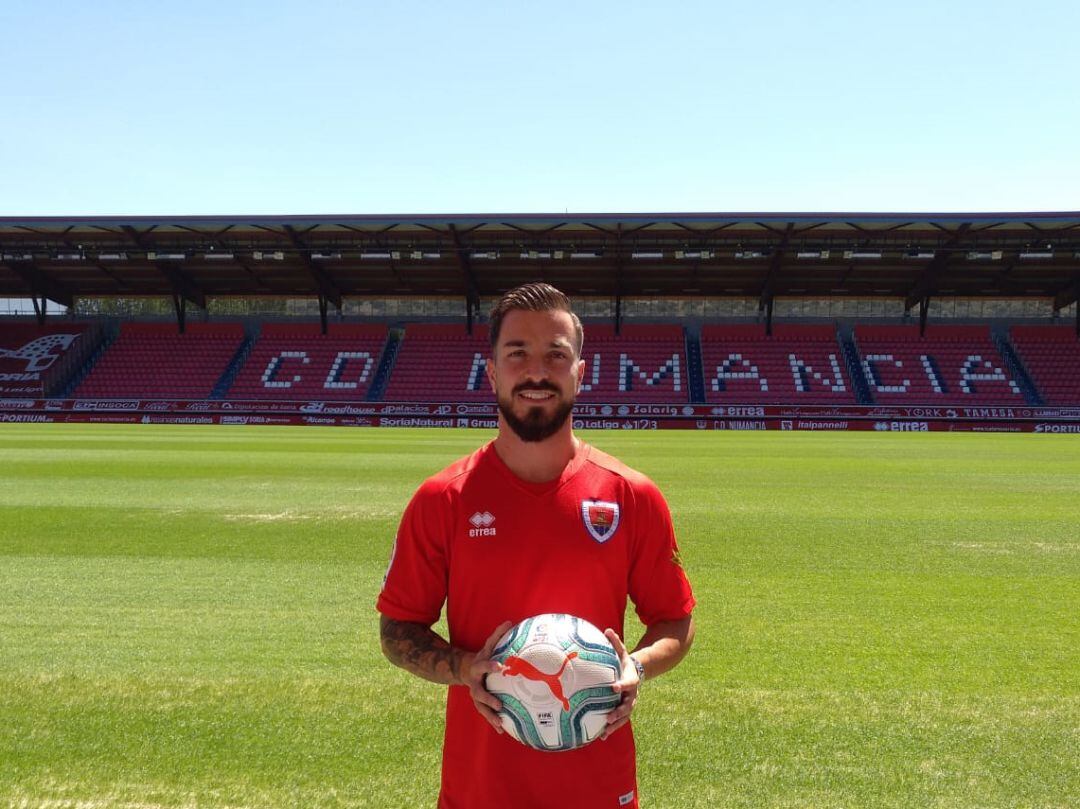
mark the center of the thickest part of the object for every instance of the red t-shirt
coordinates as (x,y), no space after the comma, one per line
(495,548)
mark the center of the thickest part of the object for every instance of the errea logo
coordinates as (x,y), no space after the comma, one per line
(481,523)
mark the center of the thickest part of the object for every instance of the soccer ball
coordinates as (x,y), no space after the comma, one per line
(556,685)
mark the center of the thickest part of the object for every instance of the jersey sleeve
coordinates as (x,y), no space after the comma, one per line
(415,585)
(659,586)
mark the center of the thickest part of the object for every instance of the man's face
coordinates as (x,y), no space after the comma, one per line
(535,372)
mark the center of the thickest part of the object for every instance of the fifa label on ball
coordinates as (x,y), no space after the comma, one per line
(556,681)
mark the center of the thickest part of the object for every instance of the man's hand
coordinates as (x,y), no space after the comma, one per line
(474,667)
(627,685)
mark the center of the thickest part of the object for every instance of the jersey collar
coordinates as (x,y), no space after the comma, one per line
(549,486)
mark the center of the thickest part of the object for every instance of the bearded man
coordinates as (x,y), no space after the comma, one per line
(536,490)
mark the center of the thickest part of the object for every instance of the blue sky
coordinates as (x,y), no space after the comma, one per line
(416,107)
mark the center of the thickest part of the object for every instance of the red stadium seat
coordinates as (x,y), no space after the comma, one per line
(796,365)
(297,361)
(642,364)
(440,362)
(950,365)
(152,360)
(1051,355)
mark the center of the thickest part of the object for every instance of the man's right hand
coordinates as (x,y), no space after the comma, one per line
(474,667)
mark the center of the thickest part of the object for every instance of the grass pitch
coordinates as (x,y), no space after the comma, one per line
(186,619)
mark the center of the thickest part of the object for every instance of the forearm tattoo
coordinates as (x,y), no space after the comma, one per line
(416,648)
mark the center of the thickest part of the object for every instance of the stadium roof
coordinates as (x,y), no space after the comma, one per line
(761,255)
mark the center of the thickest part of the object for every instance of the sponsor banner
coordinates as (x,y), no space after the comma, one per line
(602,412)
(106,405)
(1058,427)
(25,418)
(1060,420)
(797,424)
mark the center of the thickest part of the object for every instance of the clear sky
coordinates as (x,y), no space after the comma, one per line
(433,107)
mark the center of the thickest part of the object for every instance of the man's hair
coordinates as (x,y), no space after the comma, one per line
(535,297)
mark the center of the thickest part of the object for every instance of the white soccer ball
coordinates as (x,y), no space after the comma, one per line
(556,685)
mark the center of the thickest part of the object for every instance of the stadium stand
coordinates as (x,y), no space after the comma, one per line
(440,363)
(797,364)
(642,364)
(33,358)
(951,365)
(297,361)
(1051,355)
(152,360)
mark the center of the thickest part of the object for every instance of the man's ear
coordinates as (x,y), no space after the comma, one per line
(580,375)
(489,369)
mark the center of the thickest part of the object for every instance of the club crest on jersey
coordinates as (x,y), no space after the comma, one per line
(601,518)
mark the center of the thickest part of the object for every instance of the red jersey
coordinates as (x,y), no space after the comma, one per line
(495,548)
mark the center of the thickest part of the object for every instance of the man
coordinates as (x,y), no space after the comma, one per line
(512,531)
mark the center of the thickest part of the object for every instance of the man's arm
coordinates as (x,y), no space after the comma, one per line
(664,645)
(420,650)
(660,649)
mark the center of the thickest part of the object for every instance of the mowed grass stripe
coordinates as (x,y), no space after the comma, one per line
(186,618)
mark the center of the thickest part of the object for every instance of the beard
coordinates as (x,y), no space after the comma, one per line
(536,425)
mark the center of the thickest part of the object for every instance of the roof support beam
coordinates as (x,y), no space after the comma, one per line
(121,286)
(1068,295)
(472,289)
(40,285)
(181,284)
(136,237)
(472,312)
(941,261)
(246,267)
(323,283)
(179,303)
(619,260)
(775,264)
(40,309)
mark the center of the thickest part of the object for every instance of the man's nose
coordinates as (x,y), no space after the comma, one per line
(536,369)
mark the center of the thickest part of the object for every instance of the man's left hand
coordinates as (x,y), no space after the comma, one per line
(627,685)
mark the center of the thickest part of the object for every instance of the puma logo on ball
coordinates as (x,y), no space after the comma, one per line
(517,667)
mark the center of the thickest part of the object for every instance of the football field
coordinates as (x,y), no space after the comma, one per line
(186,619)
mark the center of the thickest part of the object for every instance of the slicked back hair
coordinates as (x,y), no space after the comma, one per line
(535,297)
